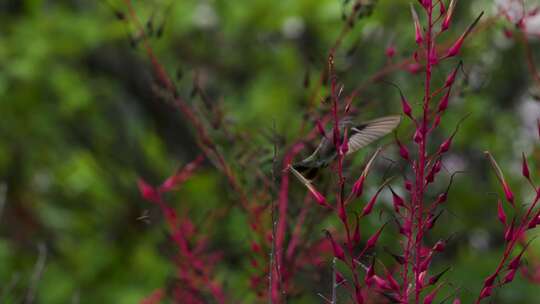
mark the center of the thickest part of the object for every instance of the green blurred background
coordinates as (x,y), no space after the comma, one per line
(81,121)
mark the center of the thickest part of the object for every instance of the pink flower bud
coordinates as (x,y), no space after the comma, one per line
(319,198)
(358,186)
(408,185)
(148,192)
(417,27)
(509,232)
(457,301)
(509,277)
(442,8)
(488,282)
(431,296)
(407,110)
(421,279)
(452,76)
(500,212)
(439,246)
(448,18)
(403,151)
(393,283)
(255,247)
(369,206)
(434,279)
(514,264)
(433,172)
(525,167)
(373,239)
(338,251)
(456,47)
(437,121)
(371,270)
(445,146)
(397,200)
(380,282)
(508,33)
(443,104)
(508,193)
(390,51)
(486,292)
(442,198)
(320,128)
(414,68)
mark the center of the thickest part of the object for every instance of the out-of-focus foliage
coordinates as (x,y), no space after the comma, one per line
(81,120)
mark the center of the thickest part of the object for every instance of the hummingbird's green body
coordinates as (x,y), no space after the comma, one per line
(360,135)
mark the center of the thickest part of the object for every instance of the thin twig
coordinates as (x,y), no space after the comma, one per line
(3,195)
(38,271)
(334,283)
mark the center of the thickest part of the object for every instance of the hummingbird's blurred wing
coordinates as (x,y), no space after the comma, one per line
(370,131)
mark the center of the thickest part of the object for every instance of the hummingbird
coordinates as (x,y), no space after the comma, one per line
(359,136)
